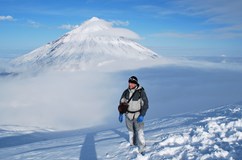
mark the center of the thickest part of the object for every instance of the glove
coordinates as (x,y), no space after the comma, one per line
(120,118)
(140,119)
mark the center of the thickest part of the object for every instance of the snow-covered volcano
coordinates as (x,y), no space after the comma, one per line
(95,42)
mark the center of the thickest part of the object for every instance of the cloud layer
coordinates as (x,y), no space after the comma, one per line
(71,100)
(57,100)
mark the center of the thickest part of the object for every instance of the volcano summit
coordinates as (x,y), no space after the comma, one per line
(93,44)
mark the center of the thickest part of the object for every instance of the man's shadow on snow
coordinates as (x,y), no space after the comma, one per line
(88,151)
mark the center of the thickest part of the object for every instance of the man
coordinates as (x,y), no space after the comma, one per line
(137,100)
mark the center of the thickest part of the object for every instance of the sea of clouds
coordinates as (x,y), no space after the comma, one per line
(80,99)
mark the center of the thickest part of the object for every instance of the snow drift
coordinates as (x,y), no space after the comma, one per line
(212,134)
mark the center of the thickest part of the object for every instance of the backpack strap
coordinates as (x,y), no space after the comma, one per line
(139,90)
(131,97)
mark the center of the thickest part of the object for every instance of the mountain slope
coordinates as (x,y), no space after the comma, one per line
(213,134)
(93,43)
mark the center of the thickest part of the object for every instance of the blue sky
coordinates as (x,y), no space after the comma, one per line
(169,27)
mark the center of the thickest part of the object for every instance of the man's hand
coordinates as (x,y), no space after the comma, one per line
(120,118)
(140,119)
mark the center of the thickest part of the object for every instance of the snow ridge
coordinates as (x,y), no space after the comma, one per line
(216,134)
(213,134)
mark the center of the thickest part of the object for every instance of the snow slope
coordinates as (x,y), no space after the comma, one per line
(212,134)
(94,43)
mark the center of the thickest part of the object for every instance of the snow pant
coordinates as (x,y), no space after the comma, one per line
(136,133)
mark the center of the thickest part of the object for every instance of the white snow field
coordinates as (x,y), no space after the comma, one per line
(212,134)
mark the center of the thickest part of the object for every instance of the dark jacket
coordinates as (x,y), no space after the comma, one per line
(138,105)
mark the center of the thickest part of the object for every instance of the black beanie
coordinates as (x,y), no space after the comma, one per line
(133,79)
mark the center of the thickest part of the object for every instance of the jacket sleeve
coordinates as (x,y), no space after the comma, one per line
(123,97)
(145,107)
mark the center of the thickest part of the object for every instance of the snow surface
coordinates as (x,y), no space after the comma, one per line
(212,134)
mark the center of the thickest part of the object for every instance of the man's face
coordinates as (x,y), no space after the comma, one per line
(132,85)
